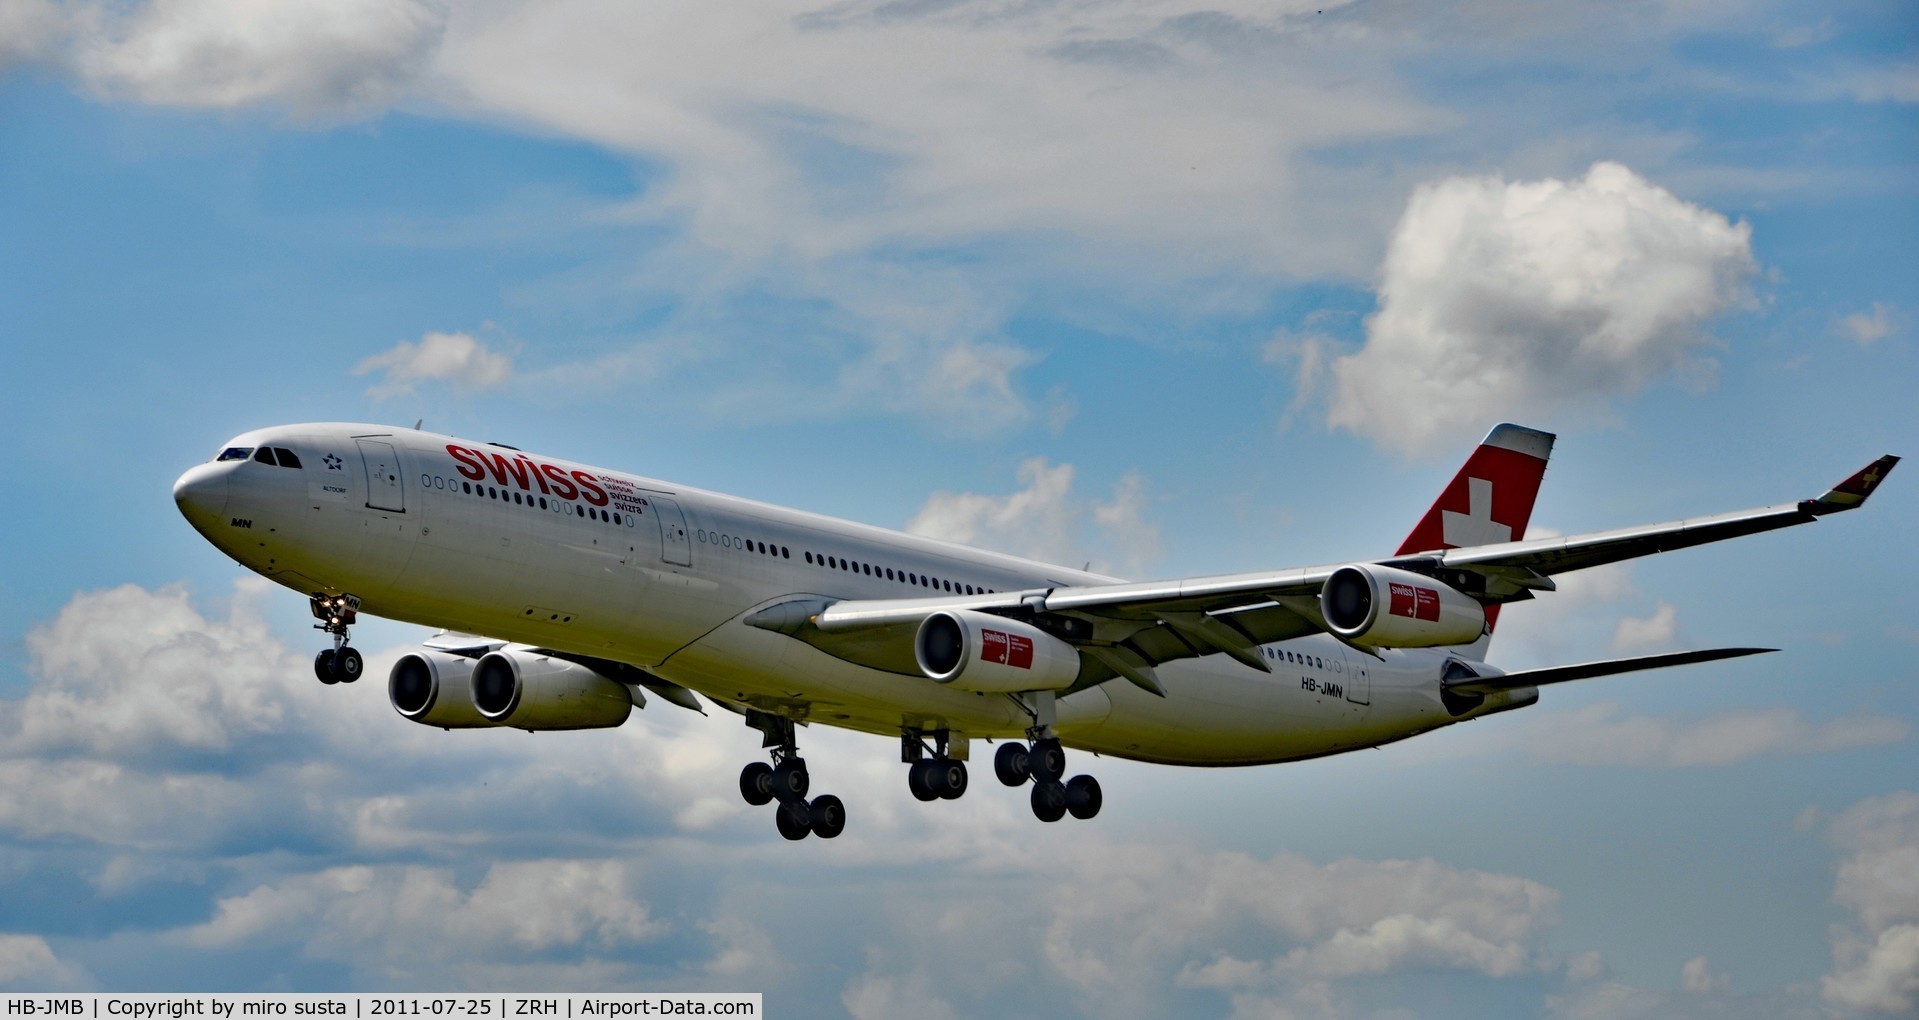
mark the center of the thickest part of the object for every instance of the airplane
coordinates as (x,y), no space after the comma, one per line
(595,588)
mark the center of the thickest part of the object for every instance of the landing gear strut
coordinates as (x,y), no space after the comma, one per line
(340,664)
(939,777)
(1044,763)
(786,780)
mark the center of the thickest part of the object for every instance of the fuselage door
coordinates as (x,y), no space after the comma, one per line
(675,545)
(383,483)
(1359,685)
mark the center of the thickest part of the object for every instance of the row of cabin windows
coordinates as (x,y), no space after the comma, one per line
(904,577)
(726,541)
(748,544)
(528,500)
(1297,659)
(279,456)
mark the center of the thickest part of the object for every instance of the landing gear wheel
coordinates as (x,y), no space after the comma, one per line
(828,816)
(950,776)
(1083,797)
(795,819)
(756,783)
(790,781)
(347,664)
(1010,764)
(1047,761)
(920,779)
(1049,801)
(323,667)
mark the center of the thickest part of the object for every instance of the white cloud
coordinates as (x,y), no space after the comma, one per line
(28,29)
(1647,634)
(450,357)
(1871,326)
(1698,977)
(1876,960)
(1599,734)
(27,963)
(1047,521)
(315,57)
(1512,300)
(413,916)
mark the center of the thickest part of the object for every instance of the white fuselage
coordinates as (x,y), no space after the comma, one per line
(484,539)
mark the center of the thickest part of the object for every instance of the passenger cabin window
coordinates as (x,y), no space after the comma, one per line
(235,453)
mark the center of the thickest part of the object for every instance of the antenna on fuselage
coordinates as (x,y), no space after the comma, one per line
(417,424)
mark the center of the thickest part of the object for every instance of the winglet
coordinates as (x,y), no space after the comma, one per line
(1853,491)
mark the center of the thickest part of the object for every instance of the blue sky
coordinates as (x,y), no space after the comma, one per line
(1167,287)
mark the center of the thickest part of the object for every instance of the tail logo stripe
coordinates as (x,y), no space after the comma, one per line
(1476,526)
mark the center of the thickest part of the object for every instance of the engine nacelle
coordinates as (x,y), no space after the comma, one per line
(972,651)
(1385,607)
(434,688)
(537,692)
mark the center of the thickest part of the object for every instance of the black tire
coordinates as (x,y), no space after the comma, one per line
(1011,765)
(795,819)
(920,780)
(828,816)
(790,781)
(756,783)
(323,667)
(348,664)
(1083,797)
(1049,801)
(1047,761)
(952,778)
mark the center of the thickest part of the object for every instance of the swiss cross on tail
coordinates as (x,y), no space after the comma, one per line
(1490,500)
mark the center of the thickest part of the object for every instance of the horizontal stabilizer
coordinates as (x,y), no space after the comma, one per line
(1588,670)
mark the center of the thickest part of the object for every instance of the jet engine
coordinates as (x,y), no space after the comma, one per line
(529,691)
(1385,607)
(434,688)
(972,651)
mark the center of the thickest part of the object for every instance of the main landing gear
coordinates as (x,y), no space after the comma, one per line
(785,780)
(1044,763)
(939,777)
(340,664)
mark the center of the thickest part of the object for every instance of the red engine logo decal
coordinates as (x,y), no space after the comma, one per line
(1415,602)
(1006,649)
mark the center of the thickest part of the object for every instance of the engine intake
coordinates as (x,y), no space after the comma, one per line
(537,692)
(973,651)
(1385,607)
(434,688)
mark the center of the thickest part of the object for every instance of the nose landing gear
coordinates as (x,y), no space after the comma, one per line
(340,664)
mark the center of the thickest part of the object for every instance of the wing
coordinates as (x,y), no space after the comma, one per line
(1125,629)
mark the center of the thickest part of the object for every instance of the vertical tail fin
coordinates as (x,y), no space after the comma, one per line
(1489,501)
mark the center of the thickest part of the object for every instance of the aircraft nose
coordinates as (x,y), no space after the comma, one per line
(201,494)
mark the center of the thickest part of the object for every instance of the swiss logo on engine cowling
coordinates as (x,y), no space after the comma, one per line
(1413,601)
(1006,649)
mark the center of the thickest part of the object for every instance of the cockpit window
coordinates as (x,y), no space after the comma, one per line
(264,456)
(287,459)
(235,453)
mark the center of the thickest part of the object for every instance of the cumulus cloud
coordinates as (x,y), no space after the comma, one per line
(1504,299)
(1047,520)
(1870,326)
(314,57)
(411,916)
(1600,734)
(457,358)
(27,963)
(1647,634)
(1876,959)
(28,29)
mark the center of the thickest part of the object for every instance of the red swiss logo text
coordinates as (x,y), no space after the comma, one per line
(528,474)
(1006,649)
(1414,601)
